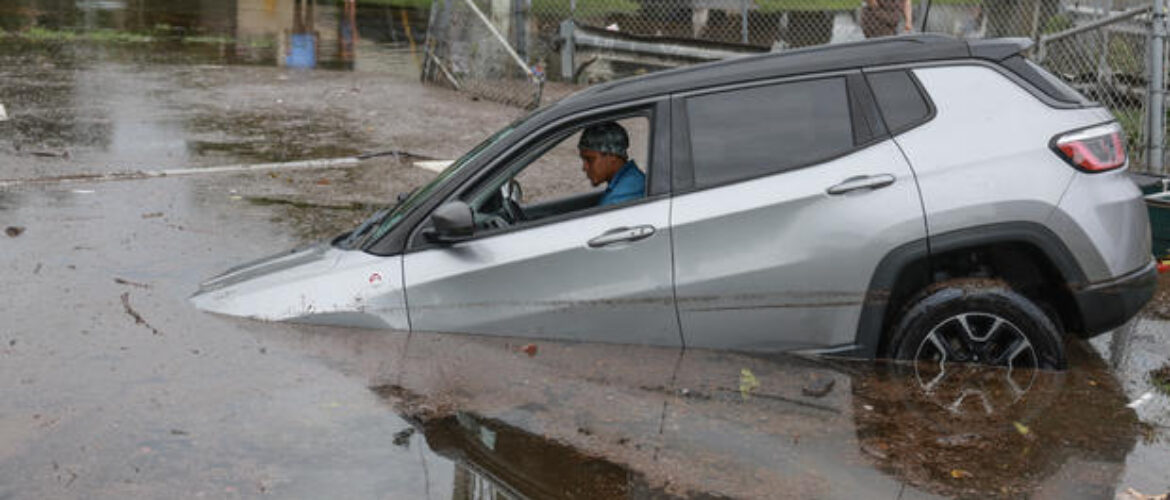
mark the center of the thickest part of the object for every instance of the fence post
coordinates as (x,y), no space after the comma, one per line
(923,13)
(1157,92)
(743,23)
(568,50)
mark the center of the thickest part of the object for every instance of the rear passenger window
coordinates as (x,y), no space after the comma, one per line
(898,97)
(746,133)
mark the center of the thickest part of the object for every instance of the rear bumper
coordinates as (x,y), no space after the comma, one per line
(1108,305)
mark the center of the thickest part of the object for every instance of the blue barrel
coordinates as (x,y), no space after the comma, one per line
(302,51)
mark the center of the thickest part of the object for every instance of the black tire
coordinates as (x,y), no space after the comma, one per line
(977,321)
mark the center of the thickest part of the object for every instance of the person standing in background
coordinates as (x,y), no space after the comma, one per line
(884,17)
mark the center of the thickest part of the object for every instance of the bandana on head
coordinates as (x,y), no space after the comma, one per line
(607,137)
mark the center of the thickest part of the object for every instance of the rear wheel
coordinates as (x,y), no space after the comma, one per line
(976,321)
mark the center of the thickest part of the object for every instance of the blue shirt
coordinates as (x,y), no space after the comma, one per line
(627,184)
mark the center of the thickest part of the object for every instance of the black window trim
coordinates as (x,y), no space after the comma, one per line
(683,164)
(655,109)
(861,96)
(932,109)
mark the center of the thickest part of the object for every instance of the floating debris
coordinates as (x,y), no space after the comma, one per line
(402,437)
(138,320)
(747,383)
(960,474)
(126,282)
(818,387)
(1161,378)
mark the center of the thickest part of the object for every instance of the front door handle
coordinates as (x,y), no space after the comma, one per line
(621,234)
(861,182)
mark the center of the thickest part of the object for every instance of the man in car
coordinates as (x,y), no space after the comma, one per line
(603,154)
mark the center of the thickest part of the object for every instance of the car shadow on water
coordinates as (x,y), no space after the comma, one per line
(566,420)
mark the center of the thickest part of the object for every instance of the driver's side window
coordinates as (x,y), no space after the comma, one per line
(586,166)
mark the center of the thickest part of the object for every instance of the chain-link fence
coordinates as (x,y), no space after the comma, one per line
(1103,54)
(1099,47)
(471,47)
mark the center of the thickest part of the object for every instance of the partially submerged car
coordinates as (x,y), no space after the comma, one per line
(916,197)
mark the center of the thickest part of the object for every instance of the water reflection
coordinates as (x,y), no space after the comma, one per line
(496,460)
(726,424)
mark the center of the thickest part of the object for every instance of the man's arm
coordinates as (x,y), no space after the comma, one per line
(908,13)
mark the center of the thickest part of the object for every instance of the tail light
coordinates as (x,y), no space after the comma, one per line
(1094,149)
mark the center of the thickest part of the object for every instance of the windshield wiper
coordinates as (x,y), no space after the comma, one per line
(357,234)
(372,222)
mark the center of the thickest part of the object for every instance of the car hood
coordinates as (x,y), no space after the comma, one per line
(314,284)
(297,257)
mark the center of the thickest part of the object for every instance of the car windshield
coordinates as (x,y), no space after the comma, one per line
(373,228)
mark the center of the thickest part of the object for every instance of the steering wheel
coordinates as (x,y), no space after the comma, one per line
(510,196)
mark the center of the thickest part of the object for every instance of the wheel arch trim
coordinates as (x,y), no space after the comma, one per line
(901,260)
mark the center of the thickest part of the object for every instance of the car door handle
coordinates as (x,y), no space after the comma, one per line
(621,234)
(861,182)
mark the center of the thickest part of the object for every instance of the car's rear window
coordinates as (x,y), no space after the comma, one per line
(745,133)
(899,98)
(1047,82)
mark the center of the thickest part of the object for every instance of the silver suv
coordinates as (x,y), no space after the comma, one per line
(915,197)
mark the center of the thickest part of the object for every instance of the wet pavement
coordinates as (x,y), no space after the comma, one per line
(81,105)
(115,386)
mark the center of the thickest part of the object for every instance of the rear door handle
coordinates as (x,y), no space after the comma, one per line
(861,182)
(621,234)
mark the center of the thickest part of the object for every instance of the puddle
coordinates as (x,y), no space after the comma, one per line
(121,86)
(274,134)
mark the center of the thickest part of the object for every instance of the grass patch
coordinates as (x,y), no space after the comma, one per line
(208,39)
(835,5)
(38,34)
(586,8)
(806,5)
(402,4)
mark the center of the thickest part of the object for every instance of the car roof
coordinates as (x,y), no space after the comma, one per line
(826,58)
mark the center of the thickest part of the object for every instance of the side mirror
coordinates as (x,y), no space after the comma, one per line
(452,222)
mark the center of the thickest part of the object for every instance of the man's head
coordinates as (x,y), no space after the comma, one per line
(603,151)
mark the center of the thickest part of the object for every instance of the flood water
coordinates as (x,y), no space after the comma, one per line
(114,386)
